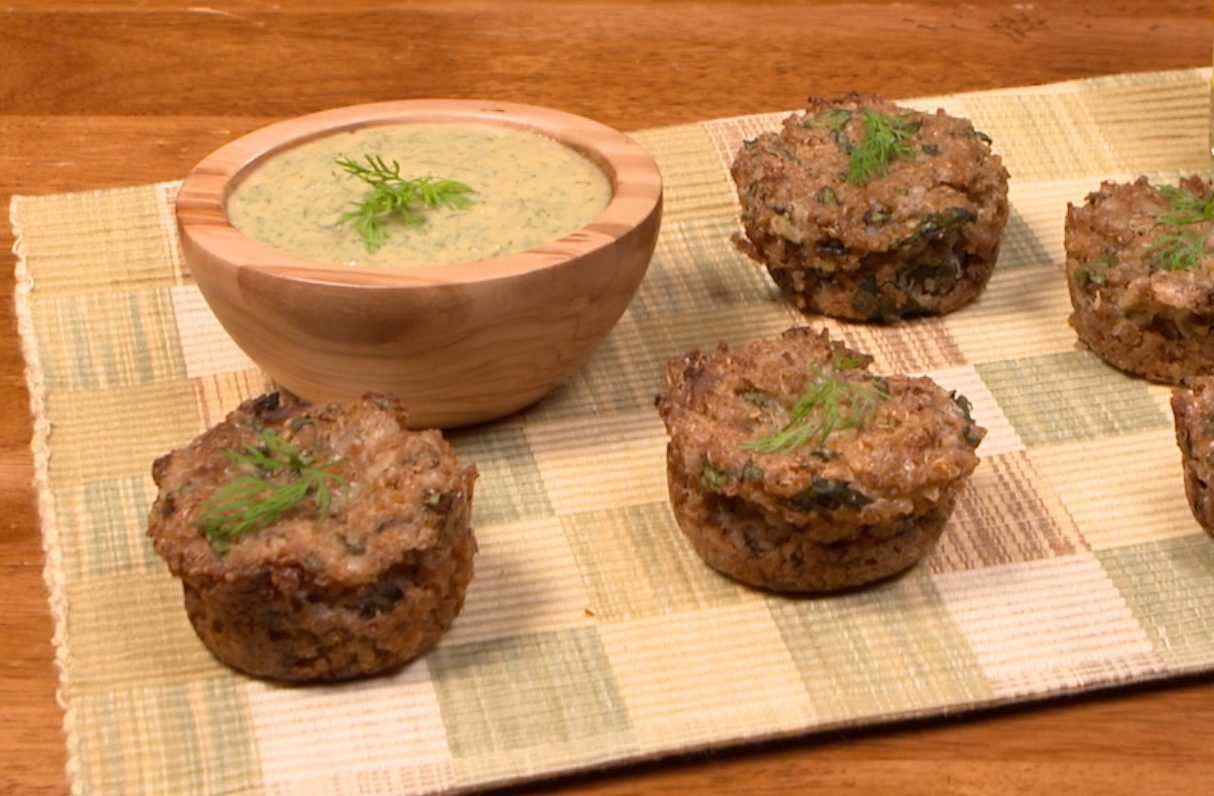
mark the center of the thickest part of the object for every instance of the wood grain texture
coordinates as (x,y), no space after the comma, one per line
(106,93)
(459,344)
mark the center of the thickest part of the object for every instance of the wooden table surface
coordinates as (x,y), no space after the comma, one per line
(99,93)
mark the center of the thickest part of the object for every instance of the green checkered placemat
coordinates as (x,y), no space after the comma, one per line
(592,634)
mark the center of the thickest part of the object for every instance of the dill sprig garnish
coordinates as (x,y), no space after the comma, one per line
(253,501)
(391,195)
(1179,251)
(1184,207)
(885,140)
(829,404)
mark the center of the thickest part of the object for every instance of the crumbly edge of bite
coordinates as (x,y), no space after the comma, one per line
(1193,415)
(1143,319)
(1138,351)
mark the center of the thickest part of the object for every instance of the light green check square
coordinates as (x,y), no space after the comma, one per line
(108,339)
(526,692)
(1020,247)
(636,563)
(1069,396)
(169,739)
(888,650)
(509,486)
(1169,585)
(696,265)
(103,524)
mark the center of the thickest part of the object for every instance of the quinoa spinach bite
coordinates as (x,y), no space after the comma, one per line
(864,210)
(1140,271)
(793,468)
(316,541)
(1193,413)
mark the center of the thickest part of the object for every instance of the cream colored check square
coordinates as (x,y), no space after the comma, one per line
(347,738)
(589,466)
(527,581)
(205,345)
(1120,490)
(686,678)
(1048,625)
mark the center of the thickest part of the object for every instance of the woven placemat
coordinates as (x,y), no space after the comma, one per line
(592,635)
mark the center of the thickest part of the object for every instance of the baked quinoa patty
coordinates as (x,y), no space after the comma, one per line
(316,542)
(1141,277)
(793,468)
(1193,411)
(865,210)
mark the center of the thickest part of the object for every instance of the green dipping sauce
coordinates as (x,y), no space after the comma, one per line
(527,190)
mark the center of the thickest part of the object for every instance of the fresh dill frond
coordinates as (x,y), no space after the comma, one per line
(1179,251)
(253,501)
(392,196)
(829,404)
(885,140)
(1184,207)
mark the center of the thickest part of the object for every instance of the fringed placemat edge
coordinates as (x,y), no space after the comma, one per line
(52,570)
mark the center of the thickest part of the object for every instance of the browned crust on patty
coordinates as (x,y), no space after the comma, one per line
(1127,307)
(734,537)
(1193,412)
(920,239)
(865,503)
(360,588)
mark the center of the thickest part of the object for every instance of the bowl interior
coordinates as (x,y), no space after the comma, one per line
(202,201)
(459,343)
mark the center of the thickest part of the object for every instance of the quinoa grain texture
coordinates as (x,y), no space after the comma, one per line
(917,236)
(1142,288)
(361,587)
(845,508)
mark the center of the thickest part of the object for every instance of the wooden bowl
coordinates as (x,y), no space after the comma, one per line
(460,343)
